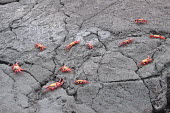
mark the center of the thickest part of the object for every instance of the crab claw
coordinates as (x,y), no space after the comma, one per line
(61,81)
(45,86)
(161,37)
(77,42)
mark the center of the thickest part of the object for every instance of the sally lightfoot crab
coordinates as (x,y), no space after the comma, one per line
(128,41)
(65,69)
(54,86)
(140,21)
(40,46)
(157,36)
(81,82)
(146,61)
(17,68)
(69,46)
(90,46)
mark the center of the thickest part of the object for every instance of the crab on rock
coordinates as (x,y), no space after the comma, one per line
(40,46)
(90,46)
(16,68)
(81,82)
(65,69)
(146,61)
(69,46)
(140,21)
(157,36)
(54,86)
(128,41)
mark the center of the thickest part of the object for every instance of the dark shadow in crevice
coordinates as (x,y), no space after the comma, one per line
(4,3)
(6,63)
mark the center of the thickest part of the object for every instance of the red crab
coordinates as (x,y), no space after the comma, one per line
(157,36)
(81,82)
(90,46)
(54,86)
(69,46)
(40,46)
(146,61)
(126,42)
(65,69)
(16,68)
(140,21)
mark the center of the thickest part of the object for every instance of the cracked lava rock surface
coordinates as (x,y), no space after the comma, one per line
(117,84)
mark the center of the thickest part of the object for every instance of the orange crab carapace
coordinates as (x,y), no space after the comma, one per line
(40,46)
(16,67)
(81,82)
(157,36)
(140,21)
(54,86)
(69,46)
(128,41)
(146,61)
(65,69)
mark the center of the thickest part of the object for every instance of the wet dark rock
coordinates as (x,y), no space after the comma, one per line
(2,2)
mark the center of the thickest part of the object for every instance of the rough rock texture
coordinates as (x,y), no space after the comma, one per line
(117,84)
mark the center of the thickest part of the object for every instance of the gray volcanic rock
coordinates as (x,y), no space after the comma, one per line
(117,83)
